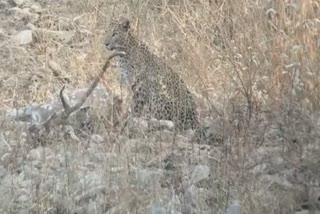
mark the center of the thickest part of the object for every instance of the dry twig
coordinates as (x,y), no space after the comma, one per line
(58,119)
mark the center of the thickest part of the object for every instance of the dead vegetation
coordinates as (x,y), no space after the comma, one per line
(253,67)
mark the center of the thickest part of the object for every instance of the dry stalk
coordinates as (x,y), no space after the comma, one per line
(58,119)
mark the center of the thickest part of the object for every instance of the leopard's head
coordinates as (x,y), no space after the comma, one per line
(118,36)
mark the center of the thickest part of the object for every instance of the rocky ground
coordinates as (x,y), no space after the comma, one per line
(94,164)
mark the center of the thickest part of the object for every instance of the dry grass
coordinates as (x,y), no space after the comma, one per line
(255,64)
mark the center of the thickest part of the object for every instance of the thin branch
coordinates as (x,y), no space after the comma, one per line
(68,110)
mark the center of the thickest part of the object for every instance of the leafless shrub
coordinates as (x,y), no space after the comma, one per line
(61,118)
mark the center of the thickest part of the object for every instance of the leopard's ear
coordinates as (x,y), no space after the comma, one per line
(125,24)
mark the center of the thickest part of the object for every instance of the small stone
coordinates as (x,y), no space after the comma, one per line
(147,178)
(302,212)
(32,17)
(165,136)
(23,37)
(14,10)
(6,158)
(234,208)
(187,208)
(36,8)
(59,36)
(159,210)
(24,14)
(189,194)
(57,69)
(97,138)
(18,2)
(259,168)
(22,198)
(139,124)
(201,172)
(2,33)
(3,4)
(3,171)
(161,124)
(34,155)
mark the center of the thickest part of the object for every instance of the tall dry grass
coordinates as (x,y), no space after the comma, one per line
(240,58)
(250,57)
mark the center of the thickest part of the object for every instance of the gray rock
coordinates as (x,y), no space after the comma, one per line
(2,33)
(161,124)
(3,4)
(3,171)
(6,158)
(165,135)
(302,212)
(187,209)
(23,198)
(18,2)
(138,124)
(97,138)
(159,210)
(36,8)
(234,208)
(201,172)
(277,179)
(58,70)
(23,37)
(196,199)
(260,168)
(58,36)
(148,178)
(161,206)
(24,14)
(32,17)
(33,113)
(35,154)
(38,113)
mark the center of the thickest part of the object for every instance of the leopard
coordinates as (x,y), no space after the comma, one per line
(156,89)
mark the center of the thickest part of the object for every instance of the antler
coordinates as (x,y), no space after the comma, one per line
(68,110)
